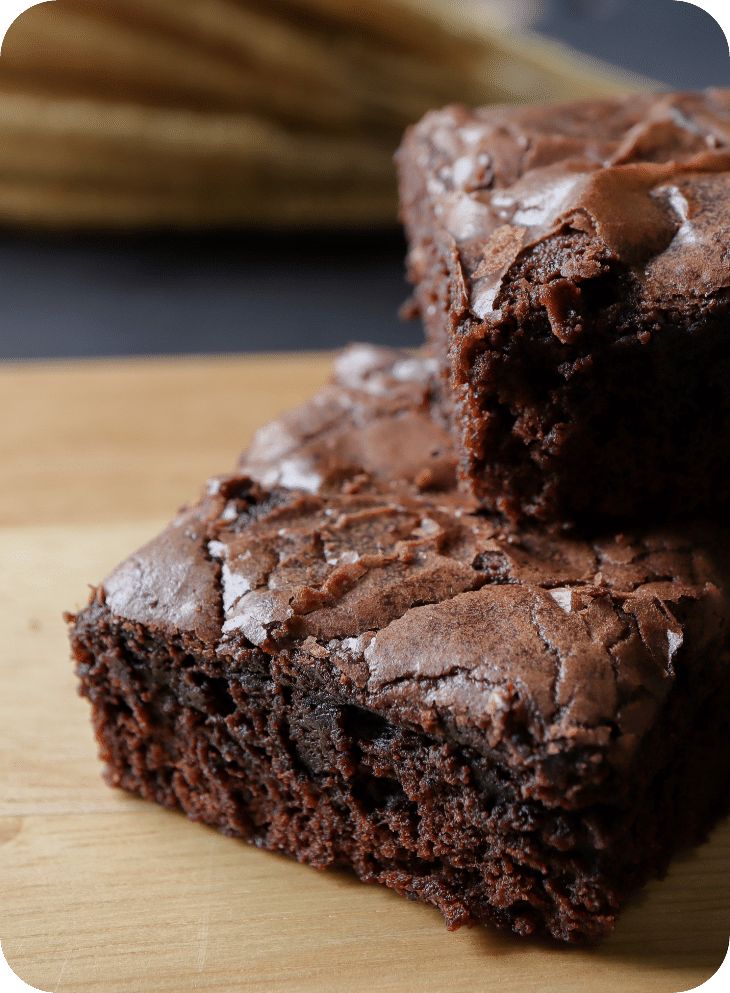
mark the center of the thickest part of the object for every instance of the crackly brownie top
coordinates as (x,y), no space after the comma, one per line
(640,182)
(420,606)
(376,417)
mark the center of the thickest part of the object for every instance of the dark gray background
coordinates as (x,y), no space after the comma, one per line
(233,292)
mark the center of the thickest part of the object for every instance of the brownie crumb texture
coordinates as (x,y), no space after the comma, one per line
(339,655)
(570,264)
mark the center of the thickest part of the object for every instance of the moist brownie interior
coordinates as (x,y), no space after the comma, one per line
(570,265)
(336,654)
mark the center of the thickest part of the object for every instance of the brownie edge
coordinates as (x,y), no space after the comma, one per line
(517,728)
(569,263)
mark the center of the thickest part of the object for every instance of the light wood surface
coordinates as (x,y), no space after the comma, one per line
(101,891)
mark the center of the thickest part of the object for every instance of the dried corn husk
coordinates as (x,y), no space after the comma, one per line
(176,113)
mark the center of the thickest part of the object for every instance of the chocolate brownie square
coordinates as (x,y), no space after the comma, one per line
(337,655)
(571,266)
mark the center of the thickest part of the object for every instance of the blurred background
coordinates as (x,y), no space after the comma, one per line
(212,176)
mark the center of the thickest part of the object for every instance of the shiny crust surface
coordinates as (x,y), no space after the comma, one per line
(553,654)
(570,265)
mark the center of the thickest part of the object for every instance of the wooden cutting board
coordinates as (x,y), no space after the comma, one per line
(101,891)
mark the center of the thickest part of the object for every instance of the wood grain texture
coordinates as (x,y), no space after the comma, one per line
(91,441)
(101,891)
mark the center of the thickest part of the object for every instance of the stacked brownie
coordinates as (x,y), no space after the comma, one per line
(571,266)
(449,624)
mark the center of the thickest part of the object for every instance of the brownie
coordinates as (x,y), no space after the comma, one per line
(571,267)
(337,655)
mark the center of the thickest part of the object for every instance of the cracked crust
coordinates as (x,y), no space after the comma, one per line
(440,620)
(570,265)
(412,586)
(557,673)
